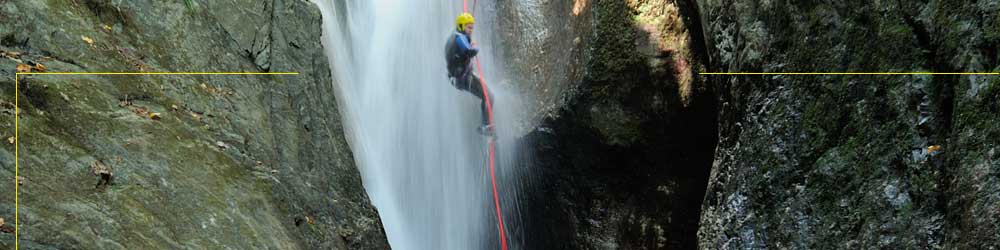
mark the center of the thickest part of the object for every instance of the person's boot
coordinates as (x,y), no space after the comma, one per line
(487,130)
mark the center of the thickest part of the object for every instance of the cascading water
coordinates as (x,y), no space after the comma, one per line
(412,133)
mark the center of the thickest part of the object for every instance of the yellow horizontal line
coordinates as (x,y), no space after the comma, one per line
(157,73)
(851,73)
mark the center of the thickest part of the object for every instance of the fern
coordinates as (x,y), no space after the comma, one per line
(189,4)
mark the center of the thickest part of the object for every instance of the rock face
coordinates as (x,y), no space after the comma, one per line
(891,161)
(626,134)
(228,161)
(864,161)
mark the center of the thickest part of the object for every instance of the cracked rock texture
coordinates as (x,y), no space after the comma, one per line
(862,161)
(231,161)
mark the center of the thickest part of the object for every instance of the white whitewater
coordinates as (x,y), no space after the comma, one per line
(412,133)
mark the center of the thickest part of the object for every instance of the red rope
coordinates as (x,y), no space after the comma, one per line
(489,112)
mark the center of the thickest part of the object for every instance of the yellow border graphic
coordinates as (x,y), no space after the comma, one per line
(17,111)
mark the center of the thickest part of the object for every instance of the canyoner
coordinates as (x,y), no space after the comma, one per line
(460,50)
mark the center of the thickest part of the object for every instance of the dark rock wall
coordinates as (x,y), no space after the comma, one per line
(621,154)
(864,161)
(248,162)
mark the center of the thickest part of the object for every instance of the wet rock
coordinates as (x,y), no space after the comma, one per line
(802,161)
(618,159)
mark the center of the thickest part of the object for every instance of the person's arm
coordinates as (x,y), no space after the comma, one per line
(464,47)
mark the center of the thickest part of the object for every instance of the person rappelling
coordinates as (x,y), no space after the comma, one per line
(459,51)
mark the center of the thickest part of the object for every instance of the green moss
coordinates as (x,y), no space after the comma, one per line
(614,54)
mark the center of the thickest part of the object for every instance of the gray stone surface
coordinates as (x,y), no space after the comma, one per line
(809,162)
(237,162)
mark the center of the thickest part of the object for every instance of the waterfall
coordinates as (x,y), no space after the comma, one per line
(413,134)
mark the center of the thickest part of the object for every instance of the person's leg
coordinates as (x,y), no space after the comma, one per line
(483,106)
(461,82)
(476,87)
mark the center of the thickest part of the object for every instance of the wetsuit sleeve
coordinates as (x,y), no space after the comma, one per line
(464,47)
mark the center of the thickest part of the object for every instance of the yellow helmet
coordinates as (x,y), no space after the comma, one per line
(463,19)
